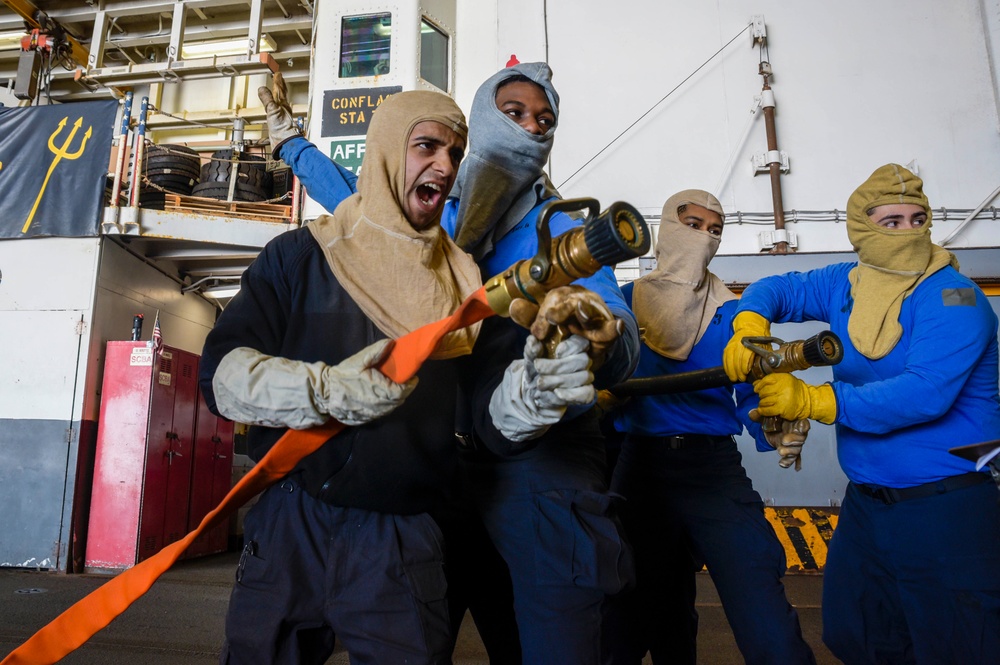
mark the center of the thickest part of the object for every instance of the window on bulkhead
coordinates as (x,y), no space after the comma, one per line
(364,45)
(433,55)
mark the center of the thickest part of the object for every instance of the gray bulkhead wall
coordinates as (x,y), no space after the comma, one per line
(46,299)
(61,300)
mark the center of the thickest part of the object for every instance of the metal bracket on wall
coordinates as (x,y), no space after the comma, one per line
(761,161)
(768,239)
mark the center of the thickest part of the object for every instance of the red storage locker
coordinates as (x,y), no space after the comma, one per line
(211,479)
(145,453)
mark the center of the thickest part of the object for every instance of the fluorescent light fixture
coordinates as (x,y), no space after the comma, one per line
(225,47)
(11,41)
(221,292)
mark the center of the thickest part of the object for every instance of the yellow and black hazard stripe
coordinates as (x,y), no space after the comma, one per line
(805,533)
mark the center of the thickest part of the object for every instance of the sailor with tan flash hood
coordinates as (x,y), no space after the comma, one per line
(919,376)
(348,545)
(688,498)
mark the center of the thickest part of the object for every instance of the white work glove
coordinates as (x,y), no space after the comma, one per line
(354,392)
(788,442)
(280,124)
(253,388)
(535,392)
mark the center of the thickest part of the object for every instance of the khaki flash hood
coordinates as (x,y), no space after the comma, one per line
(891,263)
(400,277)
(676,302)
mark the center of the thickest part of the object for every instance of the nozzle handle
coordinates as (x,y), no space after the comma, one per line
(541,263)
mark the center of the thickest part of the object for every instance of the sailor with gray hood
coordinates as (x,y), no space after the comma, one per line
(543,484)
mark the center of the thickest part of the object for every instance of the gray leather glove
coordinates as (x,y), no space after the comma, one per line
(253,388)
(535,392)
(788,442)
(280,124)
(354,392)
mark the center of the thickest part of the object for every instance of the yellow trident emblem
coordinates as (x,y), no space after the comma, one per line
(60,153)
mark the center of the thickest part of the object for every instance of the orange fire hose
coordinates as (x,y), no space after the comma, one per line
(606,238)
(86,617)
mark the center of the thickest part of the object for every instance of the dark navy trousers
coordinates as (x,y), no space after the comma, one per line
(689,502)
(551,518)
(916,581)
(311,572)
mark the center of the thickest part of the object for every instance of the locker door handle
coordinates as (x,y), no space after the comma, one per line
(217,456)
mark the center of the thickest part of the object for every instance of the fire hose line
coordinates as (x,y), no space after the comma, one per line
(83,620)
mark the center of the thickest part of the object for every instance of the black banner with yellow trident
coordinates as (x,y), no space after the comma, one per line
(53,167)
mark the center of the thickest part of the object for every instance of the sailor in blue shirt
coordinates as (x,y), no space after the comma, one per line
(913,572)
(543,500)
(688,499)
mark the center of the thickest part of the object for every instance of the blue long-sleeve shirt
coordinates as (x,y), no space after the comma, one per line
(326,181)
(711,411)
(938,388)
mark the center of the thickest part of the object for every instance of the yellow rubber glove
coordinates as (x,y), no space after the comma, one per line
(736,358)
(788,397)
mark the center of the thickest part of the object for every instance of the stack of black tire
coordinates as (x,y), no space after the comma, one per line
(253,181)
(167,168)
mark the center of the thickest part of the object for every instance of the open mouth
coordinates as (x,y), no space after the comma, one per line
(429,195)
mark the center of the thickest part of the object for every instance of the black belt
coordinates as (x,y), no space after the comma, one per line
(681,441)
(891,495)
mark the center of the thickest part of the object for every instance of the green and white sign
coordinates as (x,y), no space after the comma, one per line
(348,153)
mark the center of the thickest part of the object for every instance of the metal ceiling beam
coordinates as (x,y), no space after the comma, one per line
(28,11)
(83,13)
(159,72)
(221,30)
(86,15)
(222,118)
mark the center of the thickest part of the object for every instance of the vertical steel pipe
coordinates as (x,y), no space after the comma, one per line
(774,164)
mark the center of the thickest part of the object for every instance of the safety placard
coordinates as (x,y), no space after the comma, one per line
(348,112)
(348,153)
(141,356)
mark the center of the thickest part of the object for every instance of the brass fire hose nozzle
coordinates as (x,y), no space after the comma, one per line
(605,239)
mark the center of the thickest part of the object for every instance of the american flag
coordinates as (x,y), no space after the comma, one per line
(157,335)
